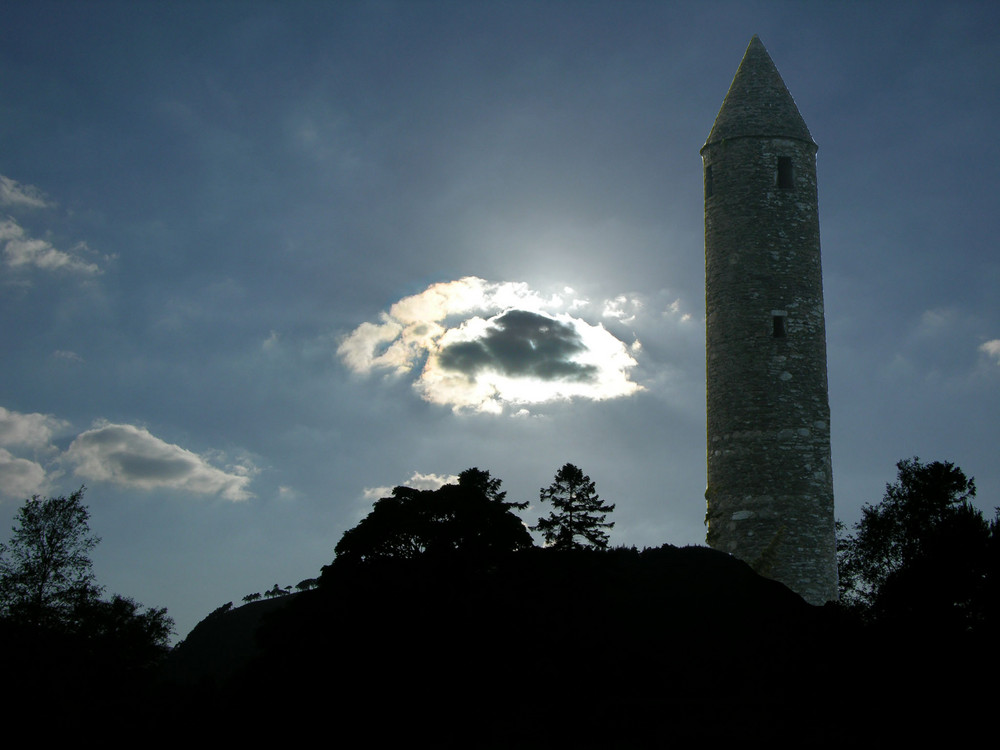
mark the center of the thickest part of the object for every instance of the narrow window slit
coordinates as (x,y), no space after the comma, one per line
(786,175)
(778,324)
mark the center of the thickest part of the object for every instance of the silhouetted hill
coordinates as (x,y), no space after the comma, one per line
(220,644)
(541,648)
(538,648)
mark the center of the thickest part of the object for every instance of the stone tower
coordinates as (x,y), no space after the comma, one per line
(770,486)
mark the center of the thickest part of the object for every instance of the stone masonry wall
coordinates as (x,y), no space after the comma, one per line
(770,485)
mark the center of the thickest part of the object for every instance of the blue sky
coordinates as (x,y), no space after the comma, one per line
(259,262)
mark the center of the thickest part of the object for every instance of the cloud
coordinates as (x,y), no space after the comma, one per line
(28,430)
(622,308)
(287,493)
(992,349)
(936,321)
(514,351)
(13,193)
(417,481)
(20,251)
(519,343)
(67,355)
(19,477)
(270,342)
(674,308)
(132,457)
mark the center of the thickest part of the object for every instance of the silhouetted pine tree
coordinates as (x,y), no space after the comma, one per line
(577,512)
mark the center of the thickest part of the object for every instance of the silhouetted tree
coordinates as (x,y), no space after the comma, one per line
(892,535)
(276,591)
(476,480)
(56,630)
(45,572)
(251,597)
(577,512)
(121,630)
(471,517)
(949,585)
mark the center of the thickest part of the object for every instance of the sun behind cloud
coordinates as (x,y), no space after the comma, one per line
(480,346)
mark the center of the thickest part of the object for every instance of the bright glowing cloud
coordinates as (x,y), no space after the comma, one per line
(21,251)
(130,456)
(13,193)
(485,345)
(992,349)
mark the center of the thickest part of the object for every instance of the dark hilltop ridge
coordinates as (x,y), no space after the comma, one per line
(536,647)
(575,648)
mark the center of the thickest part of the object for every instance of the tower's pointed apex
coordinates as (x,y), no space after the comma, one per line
(758,103)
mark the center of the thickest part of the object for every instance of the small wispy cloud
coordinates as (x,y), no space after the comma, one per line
(132,457)
(674,309)
(270,342)
(23,252)
(991,349)
(622,308)
(480,346)
(14,194)
(67,356)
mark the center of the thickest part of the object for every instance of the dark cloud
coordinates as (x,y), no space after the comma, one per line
(146,468)
(522,344)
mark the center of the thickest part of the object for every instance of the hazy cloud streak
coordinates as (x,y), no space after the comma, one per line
(20,251)
(13,193)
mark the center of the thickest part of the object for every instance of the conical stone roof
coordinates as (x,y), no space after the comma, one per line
(758,104)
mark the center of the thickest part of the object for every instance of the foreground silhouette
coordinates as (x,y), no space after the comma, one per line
(540,648)
(66,650)
(439,623)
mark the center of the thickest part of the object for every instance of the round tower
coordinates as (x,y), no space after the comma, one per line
(770,485)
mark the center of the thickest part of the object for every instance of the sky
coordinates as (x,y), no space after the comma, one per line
(261,262)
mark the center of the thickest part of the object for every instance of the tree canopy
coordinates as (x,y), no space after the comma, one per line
(47,584)
(471,517)
(924,553)
(577,512)
(45,572)
(893,533)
